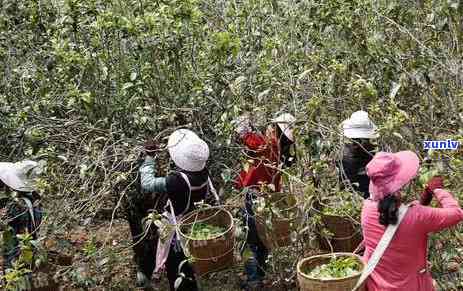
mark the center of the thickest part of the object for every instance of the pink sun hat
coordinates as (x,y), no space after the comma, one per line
(389,172)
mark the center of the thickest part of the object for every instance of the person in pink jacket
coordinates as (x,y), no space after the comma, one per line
(403,265)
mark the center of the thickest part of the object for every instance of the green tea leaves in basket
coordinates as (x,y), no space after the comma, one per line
(337,268)
(204,231)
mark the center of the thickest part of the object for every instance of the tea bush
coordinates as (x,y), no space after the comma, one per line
(84,82)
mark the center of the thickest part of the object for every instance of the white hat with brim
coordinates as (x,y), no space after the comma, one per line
(285,122)
(242,124)
(359,125)
(187,150)
(18,176)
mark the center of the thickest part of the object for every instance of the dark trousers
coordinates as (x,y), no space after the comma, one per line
(145,245)
(145,241)
(22,222)
(174,260)
(255,266)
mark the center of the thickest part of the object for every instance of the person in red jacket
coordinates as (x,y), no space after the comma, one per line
(266,155)
(262,168)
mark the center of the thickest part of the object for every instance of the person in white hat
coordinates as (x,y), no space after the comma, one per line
(358,152)
(266,154)
(282,129)
(188,184)
(269,152)
(20,209)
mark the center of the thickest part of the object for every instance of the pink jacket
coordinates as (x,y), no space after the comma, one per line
(403,265)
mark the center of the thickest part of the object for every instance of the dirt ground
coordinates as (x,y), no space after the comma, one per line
(118,273)
(121,273)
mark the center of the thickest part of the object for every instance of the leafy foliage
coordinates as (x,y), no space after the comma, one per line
(83,82)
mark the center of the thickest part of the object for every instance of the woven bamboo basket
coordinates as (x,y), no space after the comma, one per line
(275,231)
(346,236)
(213,254)
(307,283)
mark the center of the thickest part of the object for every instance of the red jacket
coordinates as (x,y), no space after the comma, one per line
(263,169)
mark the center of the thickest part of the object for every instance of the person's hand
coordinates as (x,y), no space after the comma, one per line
(425,197)
(150,147)
(428,192)
(436,182)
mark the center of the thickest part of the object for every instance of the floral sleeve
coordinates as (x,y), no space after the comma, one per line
(149,182)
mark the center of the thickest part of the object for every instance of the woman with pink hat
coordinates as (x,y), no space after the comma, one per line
(396,235)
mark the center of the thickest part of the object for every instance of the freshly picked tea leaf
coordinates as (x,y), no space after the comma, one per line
(204,231)
(335,269)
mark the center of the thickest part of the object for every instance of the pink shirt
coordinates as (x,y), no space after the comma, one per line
(400,265)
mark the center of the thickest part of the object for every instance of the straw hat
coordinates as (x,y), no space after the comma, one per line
(19,176)
(187,150)
(285,122)
(390,172)
(359,125)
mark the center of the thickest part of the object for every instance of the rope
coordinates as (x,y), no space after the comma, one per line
(201,220)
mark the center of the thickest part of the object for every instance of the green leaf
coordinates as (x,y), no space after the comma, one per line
(127,85)
(87,98)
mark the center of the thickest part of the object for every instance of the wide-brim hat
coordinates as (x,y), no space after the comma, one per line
(286,122)
(19,176)
(390,172)
(242,124)
(359,125)
(188,151)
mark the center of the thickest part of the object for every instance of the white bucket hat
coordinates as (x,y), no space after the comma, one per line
(187,150)
(285,122)
(242,124)
(20,176)
(359,125)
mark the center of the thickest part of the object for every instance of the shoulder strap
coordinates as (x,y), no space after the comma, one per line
(212,189)
(381,247)
(30,207)
(200,187)
(185,177)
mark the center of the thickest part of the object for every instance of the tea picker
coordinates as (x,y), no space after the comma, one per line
(395,234)
(265,153)
(359,152)
(145,237)
(20,209)
(188,184)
